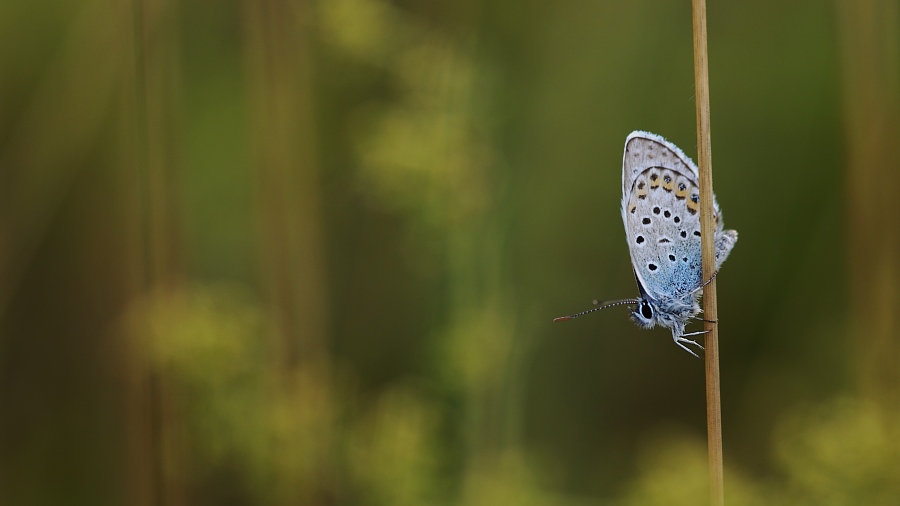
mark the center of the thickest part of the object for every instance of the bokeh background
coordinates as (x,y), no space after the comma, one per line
(308,252)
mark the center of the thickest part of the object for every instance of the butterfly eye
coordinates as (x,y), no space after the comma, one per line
(646,310)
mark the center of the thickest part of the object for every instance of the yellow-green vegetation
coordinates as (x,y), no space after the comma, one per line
(307,252)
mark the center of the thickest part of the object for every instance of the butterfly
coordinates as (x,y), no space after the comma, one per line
(661,212)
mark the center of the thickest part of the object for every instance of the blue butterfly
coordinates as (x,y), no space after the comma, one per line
(661,211)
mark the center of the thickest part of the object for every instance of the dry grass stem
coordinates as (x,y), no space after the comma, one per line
(704,159)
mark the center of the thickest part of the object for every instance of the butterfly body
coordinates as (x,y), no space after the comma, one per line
(661,214)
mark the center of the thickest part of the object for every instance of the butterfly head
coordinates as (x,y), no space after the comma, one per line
(644,314)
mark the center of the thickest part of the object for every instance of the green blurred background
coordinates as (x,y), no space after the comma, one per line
(308,252)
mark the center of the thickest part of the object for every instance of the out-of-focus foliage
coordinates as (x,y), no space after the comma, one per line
(672,470)
(391,450)
(308,252)
(843,452)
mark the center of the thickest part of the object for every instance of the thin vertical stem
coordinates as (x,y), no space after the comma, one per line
(156,426)
(278,66)
(704,155)
(869,43)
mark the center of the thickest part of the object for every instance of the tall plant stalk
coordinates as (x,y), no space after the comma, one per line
(151,87)
(707,225)
(869,44)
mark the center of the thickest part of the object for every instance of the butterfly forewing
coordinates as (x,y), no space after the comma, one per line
(660,208)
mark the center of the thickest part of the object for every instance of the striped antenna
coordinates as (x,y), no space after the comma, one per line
(600,305)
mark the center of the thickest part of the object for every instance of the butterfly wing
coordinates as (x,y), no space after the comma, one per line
(661,211)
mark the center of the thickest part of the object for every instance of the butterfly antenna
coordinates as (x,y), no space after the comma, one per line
(708,281)
(600,305)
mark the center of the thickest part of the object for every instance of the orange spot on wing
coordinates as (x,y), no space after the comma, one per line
(692,206)
(668,182)
(682,189)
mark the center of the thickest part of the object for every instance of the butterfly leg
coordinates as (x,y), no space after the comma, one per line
(682,342)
